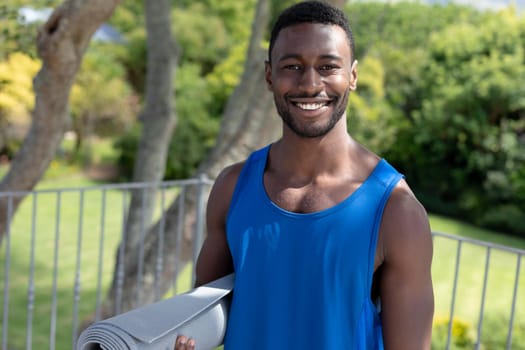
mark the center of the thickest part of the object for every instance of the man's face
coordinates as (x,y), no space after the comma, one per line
(311,75)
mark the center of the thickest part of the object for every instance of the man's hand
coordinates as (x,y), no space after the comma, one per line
(184,343)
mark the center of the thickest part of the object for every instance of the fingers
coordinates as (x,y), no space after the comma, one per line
(184,343)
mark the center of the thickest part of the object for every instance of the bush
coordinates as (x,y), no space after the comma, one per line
(126,147)
(190,143)
(16,100)
(462,334)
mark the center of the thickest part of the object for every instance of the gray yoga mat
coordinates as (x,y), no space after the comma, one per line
(200,314)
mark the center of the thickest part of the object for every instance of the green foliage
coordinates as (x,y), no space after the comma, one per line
(101,100)
(453,83)
(194,134)
(235,15)
(16,100)
(126,147)
(133,58)
(461,334)
(440,92)
(15,35)
(225,77)
(370,117)
(196,131)
(404,26)
(201,35)
(468,125)
(212,36)
(128,16)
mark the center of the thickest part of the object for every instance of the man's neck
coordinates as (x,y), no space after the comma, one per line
(312,157)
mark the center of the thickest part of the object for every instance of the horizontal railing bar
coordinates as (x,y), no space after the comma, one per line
(480,243)
(123,186)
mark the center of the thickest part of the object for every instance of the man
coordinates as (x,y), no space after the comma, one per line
(330,248)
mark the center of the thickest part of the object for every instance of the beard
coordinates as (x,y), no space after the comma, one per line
(311,131)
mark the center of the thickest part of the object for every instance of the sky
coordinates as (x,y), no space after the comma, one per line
(485,4)
(481,4)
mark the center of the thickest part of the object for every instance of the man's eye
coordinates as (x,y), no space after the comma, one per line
(292,67)
(327,67)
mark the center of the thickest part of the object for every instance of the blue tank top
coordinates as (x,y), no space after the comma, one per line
(303,281)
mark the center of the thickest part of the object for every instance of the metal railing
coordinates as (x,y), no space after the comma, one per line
(58,261)
(516,278)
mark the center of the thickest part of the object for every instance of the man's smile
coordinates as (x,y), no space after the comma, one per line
(311,106)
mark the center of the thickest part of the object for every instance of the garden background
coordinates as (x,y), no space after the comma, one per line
(440,95)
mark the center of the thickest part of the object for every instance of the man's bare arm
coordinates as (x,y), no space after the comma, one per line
(407,298)
(214,259)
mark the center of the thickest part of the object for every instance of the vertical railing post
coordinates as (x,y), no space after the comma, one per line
(5,317)
(54,301)
(76,287)
(513,307)
(101,255)
(31,282)
(198,238)
(179,233)
(160,243)
(121,253)
(483,296)
(453,301)
(143,218)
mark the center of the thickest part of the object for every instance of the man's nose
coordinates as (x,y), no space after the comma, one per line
(310,81)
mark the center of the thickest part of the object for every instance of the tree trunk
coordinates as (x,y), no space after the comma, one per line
(158,121)
(61,44)
(248,123)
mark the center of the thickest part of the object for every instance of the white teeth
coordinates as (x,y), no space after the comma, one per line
(310,106)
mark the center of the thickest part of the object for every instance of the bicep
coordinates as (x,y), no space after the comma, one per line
(214,259)
(406,285)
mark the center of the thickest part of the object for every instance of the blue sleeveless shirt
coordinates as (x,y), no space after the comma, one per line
(303,281)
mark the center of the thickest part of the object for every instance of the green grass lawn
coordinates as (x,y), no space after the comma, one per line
(499,290)
(500,282)
(75,237)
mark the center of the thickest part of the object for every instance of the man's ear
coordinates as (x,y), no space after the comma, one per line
(268,75)
(353,76)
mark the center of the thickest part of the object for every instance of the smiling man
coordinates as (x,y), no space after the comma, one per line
(330,248)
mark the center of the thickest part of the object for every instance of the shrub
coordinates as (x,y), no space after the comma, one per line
(461,336)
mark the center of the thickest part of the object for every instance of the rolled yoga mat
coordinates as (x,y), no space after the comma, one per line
(200,314)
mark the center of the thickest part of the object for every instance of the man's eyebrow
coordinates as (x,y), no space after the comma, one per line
(289,56)
(323,57)
(331,57)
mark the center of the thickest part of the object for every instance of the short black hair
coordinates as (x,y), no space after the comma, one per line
(311,12)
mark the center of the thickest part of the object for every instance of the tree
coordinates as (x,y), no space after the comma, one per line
(470,120)
(61,44)
(158,122)
(248,122)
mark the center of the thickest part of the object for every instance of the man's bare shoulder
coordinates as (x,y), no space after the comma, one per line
(405,222)
(222,191)
(227,178)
